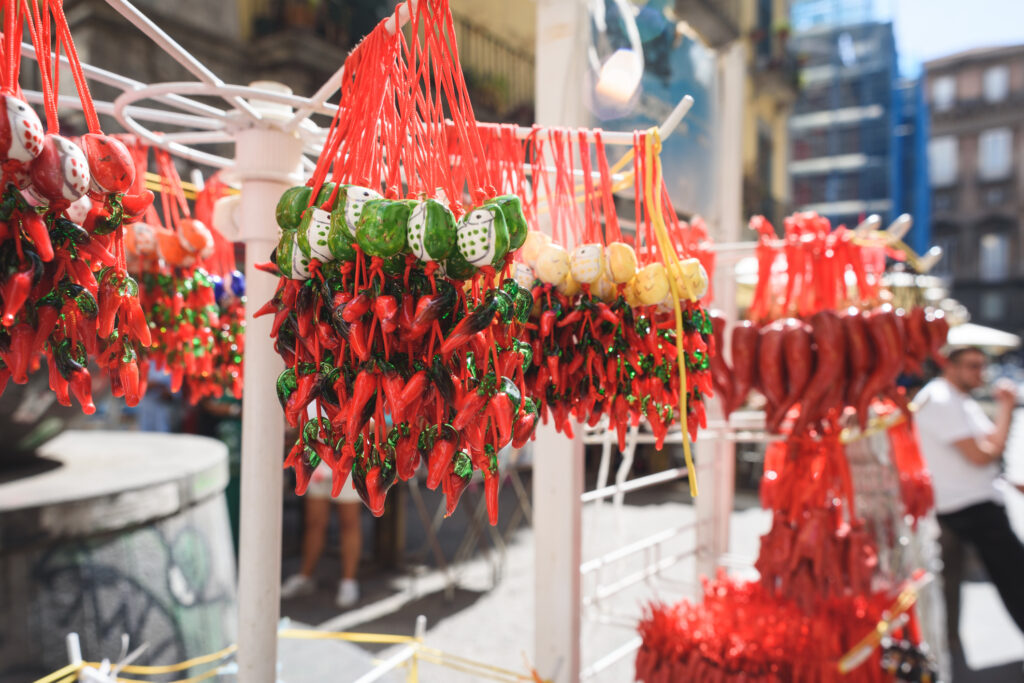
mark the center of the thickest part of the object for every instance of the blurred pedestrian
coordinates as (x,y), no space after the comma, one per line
(317,506)
(964,450)
(158,406)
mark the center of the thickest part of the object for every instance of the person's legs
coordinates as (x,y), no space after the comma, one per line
(952,547)
(349,515)
(318,512)
(1002,554)
(351,546)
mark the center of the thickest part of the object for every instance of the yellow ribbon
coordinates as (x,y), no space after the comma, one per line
(652,165)
(905,600)
(62,674)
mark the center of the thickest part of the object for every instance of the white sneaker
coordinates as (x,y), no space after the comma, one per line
(297,585)
(348,593)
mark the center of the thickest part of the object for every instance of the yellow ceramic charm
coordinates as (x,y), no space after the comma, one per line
(587,263)
(621,262)
(533,246)
(629,291)
(604,290)
(569,287)
(651,284)
(552,264)
(691,278)
(523,275)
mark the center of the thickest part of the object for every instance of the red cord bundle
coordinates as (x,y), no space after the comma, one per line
(388,307)
(742,634)
(915,482)
(191,341)
(66,292)
(818,595)
(603,333)
(820,359)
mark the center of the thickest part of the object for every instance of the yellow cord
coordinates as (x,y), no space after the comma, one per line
(379,638)
(905,600)
(652,164)
(180,666)
(61,675)
(194,679)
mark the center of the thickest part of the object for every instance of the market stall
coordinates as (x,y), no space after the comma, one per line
(425,290)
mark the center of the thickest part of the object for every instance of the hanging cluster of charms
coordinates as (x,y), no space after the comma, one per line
(604,337)
(373,333)
(821,591)
(607,343)
(193,296)
(65,290)
(815,347)
(198,328)
(395,314)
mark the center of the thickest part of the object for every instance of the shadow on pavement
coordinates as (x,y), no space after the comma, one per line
(1005,673)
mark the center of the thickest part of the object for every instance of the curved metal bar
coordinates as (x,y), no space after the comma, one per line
(198,137)
(177,52)
(124,83)
(121,111)
(171,118)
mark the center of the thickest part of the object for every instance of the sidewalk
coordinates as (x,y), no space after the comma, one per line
(494,623)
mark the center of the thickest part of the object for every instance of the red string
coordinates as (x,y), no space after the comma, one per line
(64,32)
(637,193)
(590,233)
(42,46)
(12,49)
(611,218)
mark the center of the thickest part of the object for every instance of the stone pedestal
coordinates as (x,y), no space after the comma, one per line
(121,532)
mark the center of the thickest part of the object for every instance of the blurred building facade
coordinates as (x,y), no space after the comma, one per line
(843,121)
(975,153)
(301,43)
(771,90)
(858,131)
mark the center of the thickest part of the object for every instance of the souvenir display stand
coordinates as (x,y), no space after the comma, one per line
(276,143)
(274,138)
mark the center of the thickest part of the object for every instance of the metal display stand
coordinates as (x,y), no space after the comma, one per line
(276,142)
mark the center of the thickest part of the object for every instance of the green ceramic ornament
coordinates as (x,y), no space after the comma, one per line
(340,242)
(394,266)
(313,234)
(283,253)
(515,220)
(300,262)
(324,195)
(457,267)
(349,207)
(290,259)
(295,200)
(291,205)
(431,232)
(483,236)
(381,227)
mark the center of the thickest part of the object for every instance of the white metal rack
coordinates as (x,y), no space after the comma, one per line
(275,142)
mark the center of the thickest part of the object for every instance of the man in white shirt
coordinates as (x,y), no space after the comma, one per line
(963,448)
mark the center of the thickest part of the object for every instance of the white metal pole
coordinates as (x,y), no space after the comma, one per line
(716,458)
(558,463)
(268,161)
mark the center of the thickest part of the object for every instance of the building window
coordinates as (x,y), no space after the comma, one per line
(943,93)
(993,306)
(994,261)
(944,268)
(995,153)
(995,196)
(997,83)
(942,153)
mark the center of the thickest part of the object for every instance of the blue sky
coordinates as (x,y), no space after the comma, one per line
(926,29)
